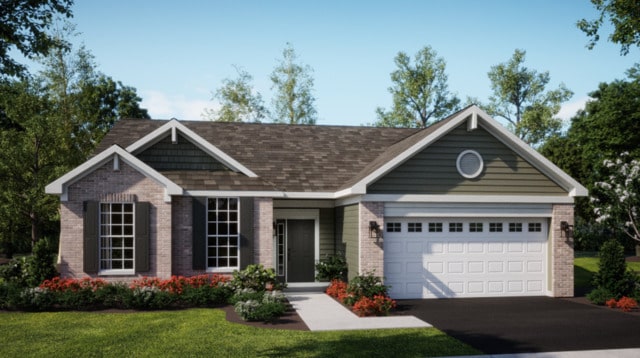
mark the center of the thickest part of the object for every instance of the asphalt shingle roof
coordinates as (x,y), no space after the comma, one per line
(294,158)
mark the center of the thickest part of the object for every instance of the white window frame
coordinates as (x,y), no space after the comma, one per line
(107,234)
(228,235)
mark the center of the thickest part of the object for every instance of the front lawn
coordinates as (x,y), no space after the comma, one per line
(202,332)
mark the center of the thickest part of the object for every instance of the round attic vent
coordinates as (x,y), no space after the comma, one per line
(469,164)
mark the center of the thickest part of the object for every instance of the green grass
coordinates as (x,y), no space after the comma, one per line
(586,265)
(202,332)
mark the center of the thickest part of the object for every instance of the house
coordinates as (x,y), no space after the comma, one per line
(460,209)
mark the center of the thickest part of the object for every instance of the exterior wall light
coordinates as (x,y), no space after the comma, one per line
(375,232)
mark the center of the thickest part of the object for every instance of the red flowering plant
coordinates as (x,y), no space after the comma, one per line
(627,304)
(612,303)
(379,305)
(57,284)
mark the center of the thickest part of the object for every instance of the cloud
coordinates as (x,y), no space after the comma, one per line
(569,109)
(165,106)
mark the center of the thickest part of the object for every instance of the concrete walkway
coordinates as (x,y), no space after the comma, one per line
(322,313)
(611,353)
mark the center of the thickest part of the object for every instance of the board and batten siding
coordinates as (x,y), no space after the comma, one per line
(182,155)
(433,170)
(347,234)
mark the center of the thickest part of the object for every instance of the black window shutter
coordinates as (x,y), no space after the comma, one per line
(90,231)
(199,232)
(246,232)
(142,227)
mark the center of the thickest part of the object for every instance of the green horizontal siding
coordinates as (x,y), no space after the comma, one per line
(433,171)
(182,155)
(347,234)
(327,233)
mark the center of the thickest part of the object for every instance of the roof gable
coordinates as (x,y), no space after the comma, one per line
(115,154)
(175,128)
(474,117)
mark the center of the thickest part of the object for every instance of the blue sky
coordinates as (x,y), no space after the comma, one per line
(176,53)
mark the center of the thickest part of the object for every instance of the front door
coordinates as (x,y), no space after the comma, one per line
(300,250)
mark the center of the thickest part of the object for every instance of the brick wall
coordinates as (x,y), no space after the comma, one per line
(105,183)
(371,250)
(263,232)
(562,252)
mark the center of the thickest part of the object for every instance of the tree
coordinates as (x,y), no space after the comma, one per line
(519,96)
(54,122)
(293,101)
(617,199)
(238,101)
(625,17)
(23,26)
(420,91)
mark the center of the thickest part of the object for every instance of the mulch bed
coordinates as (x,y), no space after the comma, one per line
(289,321)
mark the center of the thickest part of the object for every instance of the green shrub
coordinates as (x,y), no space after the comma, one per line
(148,298)
(599,296)
(613,274)
(257,278)
(29,271)
(366,285)
(113,295)
(266,308)
(205,296)
(246,294)
(333,267)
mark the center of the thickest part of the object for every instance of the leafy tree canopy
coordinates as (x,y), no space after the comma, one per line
(520,97)
(293,100)
(624,15)
(238,101)
(24,26)
(420,91)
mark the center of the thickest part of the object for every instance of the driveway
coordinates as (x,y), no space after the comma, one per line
(528,324)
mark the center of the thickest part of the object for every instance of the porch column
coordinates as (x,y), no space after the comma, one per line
(561,252)
(371,250)
(263,232)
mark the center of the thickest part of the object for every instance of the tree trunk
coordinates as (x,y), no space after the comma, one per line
(35,234)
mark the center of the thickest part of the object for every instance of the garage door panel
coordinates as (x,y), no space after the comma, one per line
(466,264)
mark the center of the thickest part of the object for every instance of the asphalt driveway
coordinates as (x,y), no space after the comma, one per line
(528,324)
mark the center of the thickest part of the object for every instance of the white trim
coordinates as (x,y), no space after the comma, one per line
(60,185)
(349,200)
(472,123)
(506,199)
(197,140)
(310,204)
(263,193)
(478,157)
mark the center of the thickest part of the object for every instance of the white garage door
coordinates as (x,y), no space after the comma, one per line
(463,257)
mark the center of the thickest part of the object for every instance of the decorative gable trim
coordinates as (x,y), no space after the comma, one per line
(475,117)
(173,126)
(115,154)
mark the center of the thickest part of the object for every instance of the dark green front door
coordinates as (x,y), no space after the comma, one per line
(300,250)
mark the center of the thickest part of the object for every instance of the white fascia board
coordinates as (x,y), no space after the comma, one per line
(501,199)
(541,163)
(59,186)
(361,186)
(264,194)
(200,142)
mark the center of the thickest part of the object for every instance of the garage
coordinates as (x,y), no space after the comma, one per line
(446,257)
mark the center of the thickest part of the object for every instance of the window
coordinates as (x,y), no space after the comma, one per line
(415,227)
(495,227)
(469,164)
(475,227)
(535,227)
(116,253)
(515,227)
(435,227)
(223,250)
(394,227)
(455,227)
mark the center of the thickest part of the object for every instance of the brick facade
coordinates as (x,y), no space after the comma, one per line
(263,232)
(371,250)
(106,183)
(562,252)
